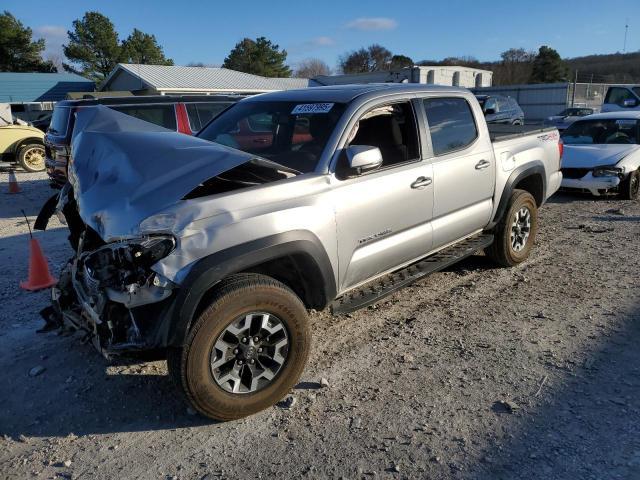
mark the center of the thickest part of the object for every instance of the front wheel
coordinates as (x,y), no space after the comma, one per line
(516,232)
(630,186)
(245,351)
(31,157)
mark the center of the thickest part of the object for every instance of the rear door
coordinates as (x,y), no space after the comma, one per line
(463,169)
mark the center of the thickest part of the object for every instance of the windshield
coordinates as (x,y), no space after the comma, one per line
(614,131)
(292,134)
(59,121)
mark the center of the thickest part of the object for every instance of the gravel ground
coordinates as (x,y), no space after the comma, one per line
(472,373)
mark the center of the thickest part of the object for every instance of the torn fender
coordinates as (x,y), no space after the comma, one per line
(124,169)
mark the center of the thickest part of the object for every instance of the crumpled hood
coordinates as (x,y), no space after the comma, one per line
(125,169)
(590,156)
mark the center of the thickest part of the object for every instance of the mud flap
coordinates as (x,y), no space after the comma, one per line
(46,212)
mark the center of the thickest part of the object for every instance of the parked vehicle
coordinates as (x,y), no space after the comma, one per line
(566,117)
(500,109)
(216,254)
(621,98)
(184,114)
(602,154)
(22,145)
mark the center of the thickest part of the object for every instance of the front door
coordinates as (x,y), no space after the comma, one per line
(383,217)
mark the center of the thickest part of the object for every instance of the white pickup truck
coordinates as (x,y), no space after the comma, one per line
(214,247)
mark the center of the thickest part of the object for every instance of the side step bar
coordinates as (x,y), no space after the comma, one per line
(376,290)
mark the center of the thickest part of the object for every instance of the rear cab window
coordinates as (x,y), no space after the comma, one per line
(59,121)
(161,115)
(451,124)
(200,113)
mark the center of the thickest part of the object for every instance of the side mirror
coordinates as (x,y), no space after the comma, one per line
(629,102)
(490,111)
(363,158)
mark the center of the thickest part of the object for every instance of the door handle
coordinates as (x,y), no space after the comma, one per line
(421,182)
(482,164)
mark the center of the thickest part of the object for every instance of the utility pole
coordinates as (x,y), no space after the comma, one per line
(573,94)
(626,29)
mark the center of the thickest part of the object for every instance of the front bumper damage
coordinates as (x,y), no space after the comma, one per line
(595,185)
(117,317)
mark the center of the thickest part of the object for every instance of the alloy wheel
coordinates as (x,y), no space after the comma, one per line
(249,353)
(520,229)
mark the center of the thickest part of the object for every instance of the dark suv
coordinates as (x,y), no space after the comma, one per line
(185,114)
(500,109)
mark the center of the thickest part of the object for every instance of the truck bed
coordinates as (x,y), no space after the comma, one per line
(500,133)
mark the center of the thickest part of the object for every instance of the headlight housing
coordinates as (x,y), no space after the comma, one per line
(607,171)
(129,261)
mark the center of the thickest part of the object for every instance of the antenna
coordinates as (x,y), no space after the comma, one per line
(626,29)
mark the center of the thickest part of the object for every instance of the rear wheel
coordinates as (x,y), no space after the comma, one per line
(516,232)
(31,157)
(246,350)
(630,186)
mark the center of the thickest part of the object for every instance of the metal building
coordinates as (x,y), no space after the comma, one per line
(164,80)
(40,87)
(426,74)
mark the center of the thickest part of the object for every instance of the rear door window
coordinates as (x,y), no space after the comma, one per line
(451,124)
(161,115)
(202,112)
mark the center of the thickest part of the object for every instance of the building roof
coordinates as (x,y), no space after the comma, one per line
(41,87)
(202,79)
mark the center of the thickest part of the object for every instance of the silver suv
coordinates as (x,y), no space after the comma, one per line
(214,248)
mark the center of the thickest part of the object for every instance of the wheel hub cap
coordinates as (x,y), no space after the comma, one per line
(520,229)
(249,353)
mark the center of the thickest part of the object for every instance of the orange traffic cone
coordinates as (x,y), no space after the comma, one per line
(13,183)
(39,276)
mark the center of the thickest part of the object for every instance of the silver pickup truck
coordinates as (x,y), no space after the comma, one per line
(213,249)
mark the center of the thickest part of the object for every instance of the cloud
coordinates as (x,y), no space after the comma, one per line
(311,45)
(321,42)
(374,23)
(54,36)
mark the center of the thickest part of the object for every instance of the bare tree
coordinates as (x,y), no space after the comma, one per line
(56,59)
(312,67)
(371,59)
(515,67)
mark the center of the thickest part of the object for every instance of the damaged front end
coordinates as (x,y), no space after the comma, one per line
(124,174)
(111,292)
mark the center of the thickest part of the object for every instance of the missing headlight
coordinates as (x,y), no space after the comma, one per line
(119,264)
(607,172)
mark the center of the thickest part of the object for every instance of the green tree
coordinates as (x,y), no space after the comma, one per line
(371,59)
(140,47)
(18,52)
(259,57)
(548,67)
(93,46)
(401,61)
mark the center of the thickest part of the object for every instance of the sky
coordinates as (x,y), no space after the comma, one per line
(206,31)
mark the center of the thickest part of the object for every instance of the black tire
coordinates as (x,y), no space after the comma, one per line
(502,250)
(190,366)
(31,157)
(630,186)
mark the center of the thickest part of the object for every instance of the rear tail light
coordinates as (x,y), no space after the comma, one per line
(183,119)
(560,149)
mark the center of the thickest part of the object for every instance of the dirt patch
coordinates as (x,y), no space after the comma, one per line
(475,372)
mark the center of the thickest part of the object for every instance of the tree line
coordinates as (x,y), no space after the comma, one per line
(94,49)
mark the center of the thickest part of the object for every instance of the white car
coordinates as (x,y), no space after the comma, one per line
(602,154)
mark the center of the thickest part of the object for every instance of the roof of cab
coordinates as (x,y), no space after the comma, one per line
(633,115)
(346,93)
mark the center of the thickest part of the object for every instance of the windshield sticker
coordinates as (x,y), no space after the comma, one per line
(624,123)
(311,108)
